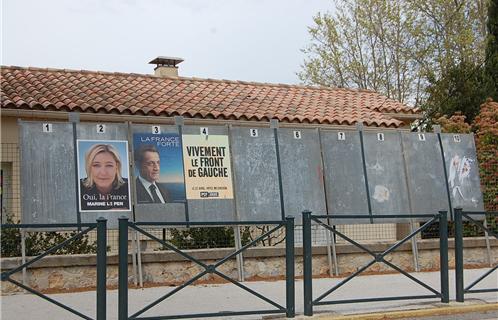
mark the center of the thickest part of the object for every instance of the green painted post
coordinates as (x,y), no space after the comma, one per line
(307,256)
(459,255)
(101,267)
(123,269)
(289,268)
(443,255)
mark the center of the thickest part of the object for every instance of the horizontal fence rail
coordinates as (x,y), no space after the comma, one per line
(309,302)
(101,227)
(288,310)
(461,290)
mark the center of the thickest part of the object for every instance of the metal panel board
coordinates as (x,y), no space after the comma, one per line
(386,174)
(163,212)
(47,173)
(463,171)
(210,209)
(344,179)
(255,174)
(425,174)
(302,172)
(113,131)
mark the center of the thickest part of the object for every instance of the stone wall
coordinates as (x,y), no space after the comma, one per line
(78,272)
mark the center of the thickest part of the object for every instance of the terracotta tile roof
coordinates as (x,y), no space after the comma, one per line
(88,91)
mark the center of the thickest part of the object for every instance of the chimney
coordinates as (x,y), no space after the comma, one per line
(166,66)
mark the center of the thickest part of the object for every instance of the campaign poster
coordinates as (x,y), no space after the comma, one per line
(158,168)
(103,175)
(207,167)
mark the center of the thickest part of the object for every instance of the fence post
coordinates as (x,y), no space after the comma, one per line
(307,272)
(289,267)
(123,269)
(101,268)
(443,255)
(459,255)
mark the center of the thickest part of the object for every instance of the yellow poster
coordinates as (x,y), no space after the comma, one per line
(208,174)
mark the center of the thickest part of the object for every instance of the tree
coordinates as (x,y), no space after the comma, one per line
(393,46)
(486,128)
(459,90)
(491,66)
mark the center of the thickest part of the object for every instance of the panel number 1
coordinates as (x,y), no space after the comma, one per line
(47,127)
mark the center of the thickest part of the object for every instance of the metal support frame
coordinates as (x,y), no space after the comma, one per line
(309,302)
(101,227)
(461,290)
(289,309)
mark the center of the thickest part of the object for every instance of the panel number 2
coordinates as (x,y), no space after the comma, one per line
(47,127)
(101,128)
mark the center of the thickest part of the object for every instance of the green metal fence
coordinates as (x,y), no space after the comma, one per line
(472,217)
(309,302)
(101,227)
(288,310)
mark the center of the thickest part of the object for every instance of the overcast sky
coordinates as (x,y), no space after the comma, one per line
(250,40)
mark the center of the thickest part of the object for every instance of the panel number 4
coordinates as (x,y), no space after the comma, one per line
(204,131)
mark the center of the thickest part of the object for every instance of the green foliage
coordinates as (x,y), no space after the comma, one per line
(459,89)
(491,66)
(39,242)
(395,47)
(217,237)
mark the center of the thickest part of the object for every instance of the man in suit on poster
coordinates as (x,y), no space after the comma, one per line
(147,187)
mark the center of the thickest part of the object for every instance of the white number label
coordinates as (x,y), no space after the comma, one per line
(421,137)
(204,132)
(156,130)
(101,128)
(456,138)
(47,127)
(380,136)
(253,133)
(297,134)
(341,136)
